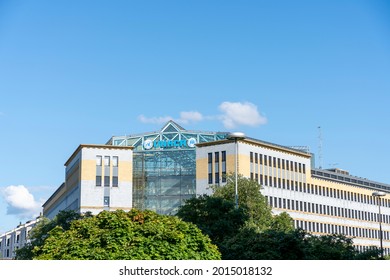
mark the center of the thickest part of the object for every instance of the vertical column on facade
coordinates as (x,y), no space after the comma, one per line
(107,169)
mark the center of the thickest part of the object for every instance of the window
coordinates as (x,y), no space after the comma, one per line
(256,158)
(210,167)
(115,161)
(106,161)
(99,160)
(106,201)
(98,181)
(106,181)
(216,167)
(251,156)
(115,181)
(223,153)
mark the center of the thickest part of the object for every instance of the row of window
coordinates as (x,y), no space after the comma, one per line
(215,166)
(354,232)
(114,180)
(107,178)
(99,159)
(6,253)
(317,190)
(277,162)
(303,206)
(16,239)
(361,248)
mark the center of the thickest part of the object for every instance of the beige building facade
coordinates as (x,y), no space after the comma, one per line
(97,178)
(320,201)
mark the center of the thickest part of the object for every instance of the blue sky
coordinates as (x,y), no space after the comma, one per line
(75,72)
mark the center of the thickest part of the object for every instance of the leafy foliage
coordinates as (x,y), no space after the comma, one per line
(141,235)
(330,247)
(257,234)
(250,200)
(268,245)
(40,232)
(292,245)
(215,216)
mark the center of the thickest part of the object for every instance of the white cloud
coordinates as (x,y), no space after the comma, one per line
(154,120)
(21,202)
(188,117)
(234,114)
(185,118)
(237,113)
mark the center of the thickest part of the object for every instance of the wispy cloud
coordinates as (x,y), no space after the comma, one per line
(234,114)
(185,118)
(154,120)
(20,202)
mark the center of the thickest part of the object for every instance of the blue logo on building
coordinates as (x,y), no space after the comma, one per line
(162,144)
(148,144)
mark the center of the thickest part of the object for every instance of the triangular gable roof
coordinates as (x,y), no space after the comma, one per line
(173,124)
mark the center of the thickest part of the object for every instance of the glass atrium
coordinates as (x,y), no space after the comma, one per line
(164,163)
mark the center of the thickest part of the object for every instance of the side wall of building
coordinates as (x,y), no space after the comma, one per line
(317,205)
(97,178)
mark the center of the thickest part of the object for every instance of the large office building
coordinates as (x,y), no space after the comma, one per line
(320,201)
(159,170)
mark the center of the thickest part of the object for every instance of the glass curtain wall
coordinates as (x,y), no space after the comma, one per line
(163,180)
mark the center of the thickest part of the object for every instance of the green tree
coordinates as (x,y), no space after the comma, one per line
(282,222)
(330,247)
(250,244)
(141,235)
(253,203)
(215,216)
(40,232)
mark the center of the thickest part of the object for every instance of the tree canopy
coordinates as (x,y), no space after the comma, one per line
(133,235)
(215,216)
(250,200)
(252,232)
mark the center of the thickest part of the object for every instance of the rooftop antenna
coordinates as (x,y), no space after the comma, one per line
(320,147)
